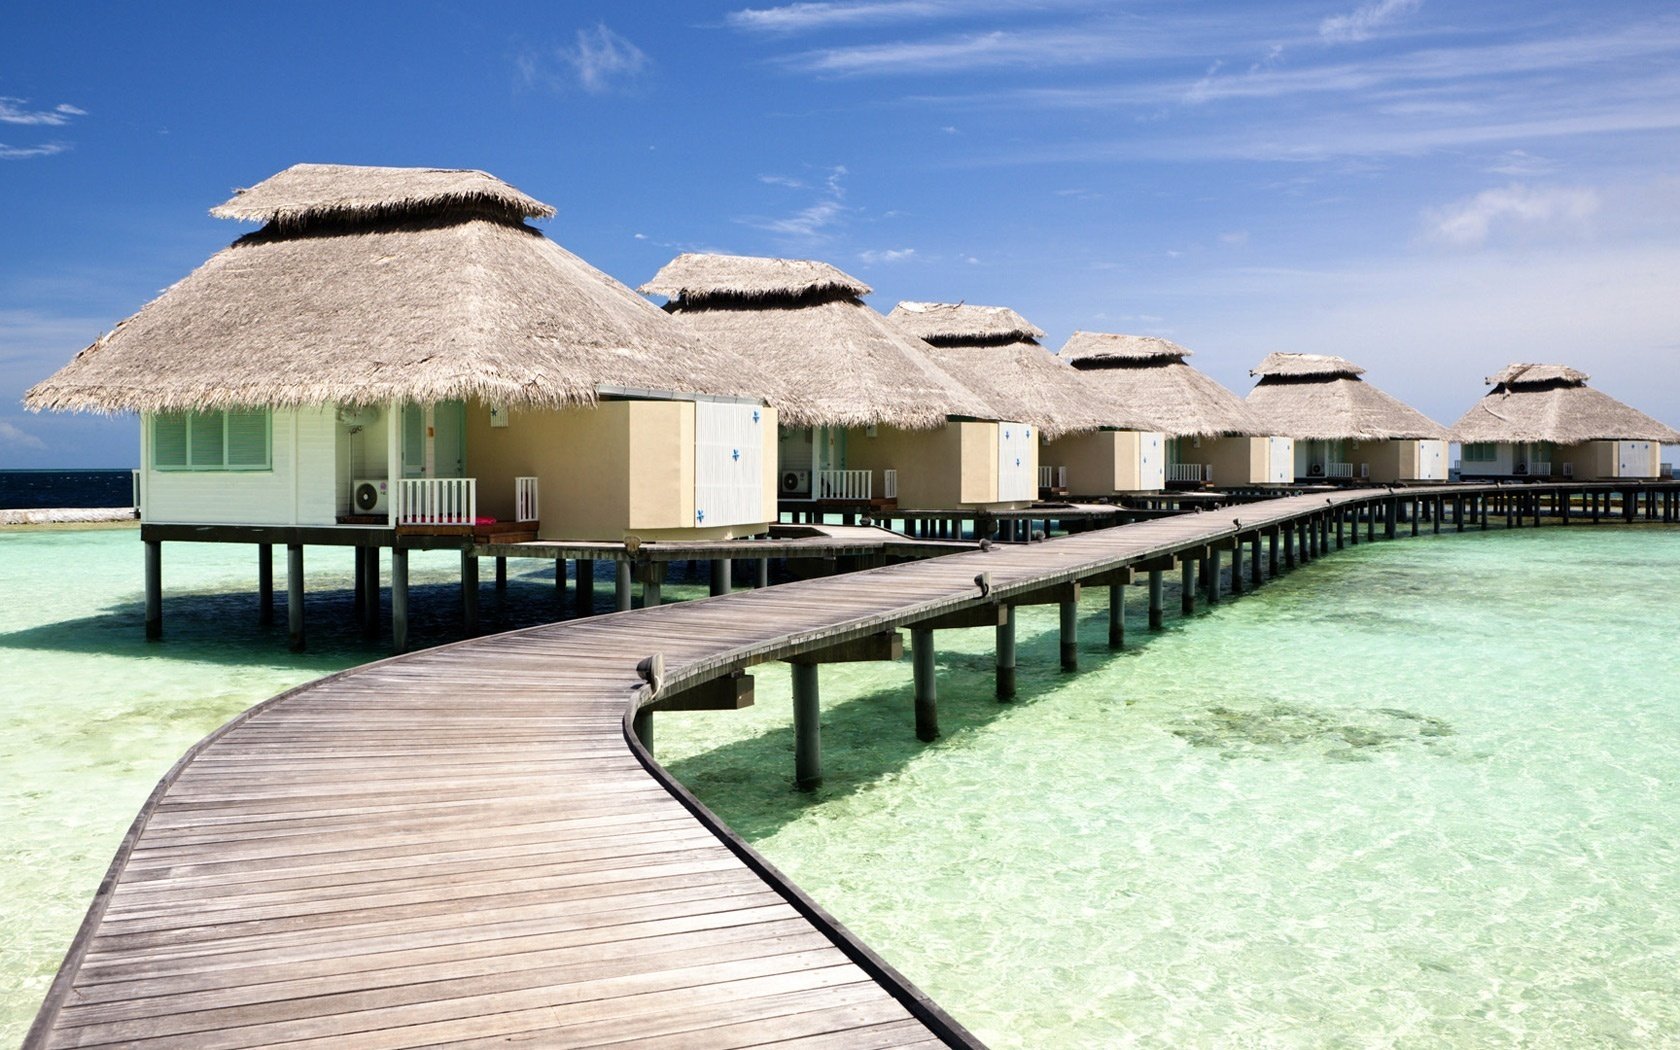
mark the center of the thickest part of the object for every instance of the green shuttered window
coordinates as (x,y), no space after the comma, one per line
(1480,452)
(233,440)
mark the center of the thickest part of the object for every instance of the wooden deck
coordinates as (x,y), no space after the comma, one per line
(467,846)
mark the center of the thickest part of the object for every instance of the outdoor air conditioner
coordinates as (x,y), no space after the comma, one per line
(796,483)
(370,496)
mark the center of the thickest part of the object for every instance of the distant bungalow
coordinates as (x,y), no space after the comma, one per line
(1345,428)
(1544,421)
(1214,438)
(1093,445)
(396,347)
(867,416)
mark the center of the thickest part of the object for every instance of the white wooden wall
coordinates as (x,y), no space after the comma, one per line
(729,443)
(1017,462)
(300,489)
(1280,460)
(1152,461)
(1637,459)
(1431,460)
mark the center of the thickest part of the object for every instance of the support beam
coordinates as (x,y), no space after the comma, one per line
(653,580)
(732,692)
(399,599)
(469,591)
(807,729)
(886,645)
(1254,560)
(927,686)
(1006,654)
(1237,584)
(1157,610)
(722,581)
(294,597)
(265,584)
(560,577)
(1069,622)
(370,593)
(1187,587)
(1210,568)
(987,614)
(501,573)
(1272,565)
(621,585)
(154,590)
(763,572)
(1116,616)
(583,599)
(642,726)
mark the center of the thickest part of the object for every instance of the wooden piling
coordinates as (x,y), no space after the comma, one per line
(652,584)
(399,599)
(1254,577)
(1006,655)
(265,583)
(1157,603)
(154,590)
(927,687)
(583,598)
(1069,623)
(1273,538)
(1210,569)
(642,726)
(622,585)
(501,573)
(560,577)
(370,593)
(469,591)
(294,597)
(722,576)
(763,572)
(1116,616)
(1187,586)
(807,728)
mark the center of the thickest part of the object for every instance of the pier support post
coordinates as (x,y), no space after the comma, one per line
(154,590)
(1272,539)
(1287,538)
(501,573)
(1116,616)
(358,589)
(807,728)
(399,599)
(1187,586)
(1006,655)
(1254,560)
(652,584)
(1210,569)
(722,576)
(642,726)
(370,593)
(1157,609)
(1069,622)
(294,597)
(469,591)
(1341,529)
(1237,585)
(927,688)
(621,585)
(583,597)
(560,577)
(265,583)
(763,572)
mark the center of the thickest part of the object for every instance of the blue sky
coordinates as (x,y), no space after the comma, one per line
(1430,189)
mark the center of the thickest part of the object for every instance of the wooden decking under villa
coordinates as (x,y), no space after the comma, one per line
(471,845)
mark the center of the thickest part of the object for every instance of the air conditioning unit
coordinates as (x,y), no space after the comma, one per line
(370,496)
(796,483)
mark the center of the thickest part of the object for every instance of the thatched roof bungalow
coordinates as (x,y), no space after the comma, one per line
(1544,421)
(867,414)
(1345,428)
(1213,436)
(407,328)
(1091,444)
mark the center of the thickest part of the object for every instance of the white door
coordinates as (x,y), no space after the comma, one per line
(1016,463)
(728,465)
(1633,459)
(1432,461)
(1152,461)
(1280,460)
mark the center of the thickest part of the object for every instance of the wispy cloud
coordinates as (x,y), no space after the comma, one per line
(599,61)
(1363,22)
(47,149)
(1468,223)
(15,111)
(1054,47)
(817,219)
(887,255)
(810,17)
(12,436)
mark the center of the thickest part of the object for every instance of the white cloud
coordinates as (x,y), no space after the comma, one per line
(887,255)
(1468,223)
(1234,239)
(1363,22)
(15,437)
(782,180)
(600,61)
(25,152)
(804,17)
(813,222)
(14,111)
(1522,164)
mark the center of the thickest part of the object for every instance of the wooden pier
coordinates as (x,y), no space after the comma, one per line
(473,844)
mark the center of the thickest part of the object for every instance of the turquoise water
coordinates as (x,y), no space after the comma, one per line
(1421,793)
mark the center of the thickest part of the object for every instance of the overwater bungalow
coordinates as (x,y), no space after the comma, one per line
(1213,437)
(1344,428)
(1543,421)
(397,348)
(1089,444)
(868,419)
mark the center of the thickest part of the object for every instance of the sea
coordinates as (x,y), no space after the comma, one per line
(36,489)
(1416,794)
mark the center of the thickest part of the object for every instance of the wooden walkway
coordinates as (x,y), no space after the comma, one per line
(467,846)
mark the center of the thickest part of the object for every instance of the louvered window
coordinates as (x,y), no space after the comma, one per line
(238,440)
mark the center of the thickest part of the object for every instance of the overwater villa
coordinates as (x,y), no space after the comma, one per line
(1344,428)
(1213,437)
(1543,421)
(1090,444)
(868,419)
(397,348)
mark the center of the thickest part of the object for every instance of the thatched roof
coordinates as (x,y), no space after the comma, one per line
(1553,403)
(819,355)
(1305,365)
(693,278)
(362,297)
(961,324)
(1148,376)
(995,351)
(349,193)
(1321,398)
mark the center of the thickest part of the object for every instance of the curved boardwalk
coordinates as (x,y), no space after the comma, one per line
(465,846)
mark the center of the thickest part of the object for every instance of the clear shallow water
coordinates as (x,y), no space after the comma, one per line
(1419,794)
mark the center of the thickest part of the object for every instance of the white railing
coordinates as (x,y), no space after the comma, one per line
(1052,477)
(524,499)
(1338,470)
(437,501)
(1189,472)
(889,483)
(843,484)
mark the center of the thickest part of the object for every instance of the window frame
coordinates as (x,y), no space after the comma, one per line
(192,419)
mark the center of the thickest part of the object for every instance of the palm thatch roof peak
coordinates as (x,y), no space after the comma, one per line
(1282,365)
(1553,403)
(964,324)
(307,193)
(1109,350)
(693,278)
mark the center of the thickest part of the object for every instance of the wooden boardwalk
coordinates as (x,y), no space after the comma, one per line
(467,846)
